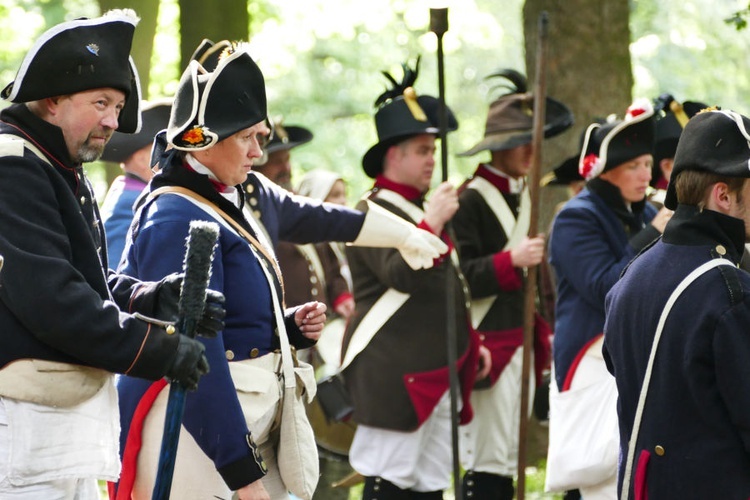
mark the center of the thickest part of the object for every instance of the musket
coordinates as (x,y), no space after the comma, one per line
(540,94)
(439,25)
(197,267)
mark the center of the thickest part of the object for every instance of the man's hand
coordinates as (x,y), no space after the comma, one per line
(189,363)
(662,217)
(529,252)
(167,302)
(253,491)
(311,318)
(485,363)
(442,206)
(345,308)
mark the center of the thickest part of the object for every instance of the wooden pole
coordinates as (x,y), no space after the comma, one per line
(439,25)
(540,95)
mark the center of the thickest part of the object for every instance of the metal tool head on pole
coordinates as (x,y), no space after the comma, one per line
(439,26)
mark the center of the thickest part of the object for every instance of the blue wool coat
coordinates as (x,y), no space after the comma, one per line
(694,440)
(58,300)
(593,238)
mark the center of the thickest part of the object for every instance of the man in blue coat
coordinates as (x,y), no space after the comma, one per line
(694,437)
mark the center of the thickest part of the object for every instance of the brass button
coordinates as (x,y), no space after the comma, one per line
(249,188)
(721,250)
(313,279)
(253,201)
(254,352)
(230,355)
(659,450)
(171,330)
(256,214)
(83,200)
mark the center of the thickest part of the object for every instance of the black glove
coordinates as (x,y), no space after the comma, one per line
(167,300)
(189,363)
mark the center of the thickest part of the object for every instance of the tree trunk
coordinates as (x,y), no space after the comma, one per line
(143,41)
(143,46)
(588,68)
(225,20)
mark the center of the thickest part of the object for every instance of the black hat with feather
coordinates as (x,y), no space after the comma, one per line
(510,118)
(402,114)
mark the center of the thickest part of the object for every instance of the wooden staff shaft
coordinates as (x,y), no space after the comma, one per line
(540,94)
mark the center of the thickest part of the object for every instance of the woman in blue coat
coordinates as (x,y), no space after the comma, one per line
(593,237)
(215,138)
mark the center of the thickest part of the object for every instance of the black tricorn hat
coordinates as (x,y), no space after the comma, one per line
(284,138)
(209,107)
(613,143)
(154,117)
(567,171)
(81,55)
(669,127)
(715,141)
(510,118)
(401,115)
(287,137)
(563,174)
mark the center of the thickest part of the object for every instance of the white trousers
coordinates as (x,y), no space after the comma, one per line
(58,454)
(418,460)
(489,443)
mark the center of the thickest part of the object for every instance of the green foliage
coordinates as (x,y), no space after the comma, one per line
(687,49)
(739,19)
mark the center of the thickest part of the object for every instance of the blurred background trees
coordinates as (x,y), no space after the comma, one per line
(322,60)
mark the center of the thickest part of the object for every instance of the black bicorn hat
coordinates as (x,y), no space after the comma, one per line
(714,141)
(510,117)
(211,106)
(154,118)
(615,142)
(80,55)
(671,118)
(402,114)
(208,53)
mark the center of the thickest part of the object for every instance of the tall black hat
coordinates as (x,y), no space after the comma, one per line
(715,141)
(209,107)
(613,143)
(402,114)
(81,55)
(154,118)
(669,127)
(510,118)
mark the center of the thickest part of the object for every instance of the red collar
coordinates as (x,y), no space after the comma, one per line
(410,193)
(501,182)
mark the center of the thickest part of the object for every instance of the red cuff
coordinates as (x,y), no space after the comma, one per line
(342,298)
(507,276)
(444,237)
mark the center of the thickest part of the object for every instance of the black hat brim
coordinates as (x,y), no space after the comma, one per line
(154,118)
